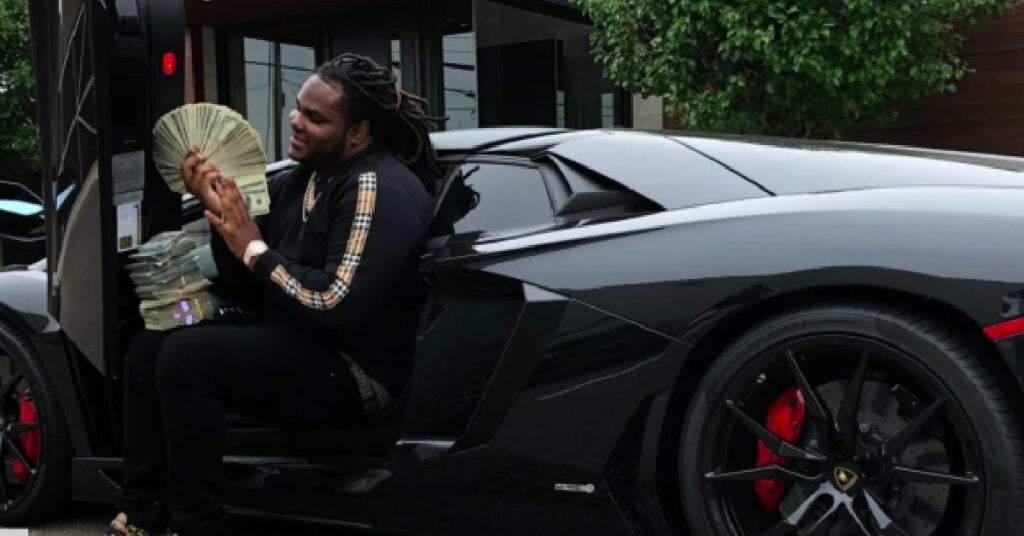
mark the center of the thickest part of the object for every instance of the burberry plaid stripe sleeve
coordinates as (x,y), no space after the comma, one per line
(366,200)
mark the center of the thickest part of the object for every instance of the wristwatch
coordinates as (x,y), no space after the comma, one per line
(252,251)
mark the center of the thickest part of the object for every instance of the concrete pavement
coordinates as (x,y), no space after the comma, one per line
(81,520)
(91,520)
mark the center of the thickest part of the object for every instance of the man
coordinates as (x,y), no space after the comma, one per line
(333,272)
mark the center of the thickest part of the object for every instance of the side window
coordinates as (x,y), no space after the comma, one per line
(488,198)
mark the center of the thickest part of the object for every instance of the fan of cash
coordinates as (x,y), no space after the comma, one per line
(228,141)
(167,278)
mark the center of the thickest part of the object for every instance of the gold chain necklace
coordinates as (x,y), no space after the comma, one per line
(309,200)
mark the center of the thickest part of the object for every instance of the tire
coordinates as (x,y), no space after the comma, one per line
(913,371)
(46,492)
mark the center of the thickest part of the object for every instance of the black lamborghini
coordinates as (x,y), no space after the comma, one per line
(633,333)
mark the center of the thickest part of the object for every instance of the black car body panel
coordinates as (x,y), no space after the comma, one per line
(550,359)
(668,173)
(458,141)
(803,166)
(908,239)
(537,144)
(1012,348)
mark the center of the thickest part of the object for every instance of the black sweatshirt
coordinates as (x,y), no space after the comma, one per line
(349,273)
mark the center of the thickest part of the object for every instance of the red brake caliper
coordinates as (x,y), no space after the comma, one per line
(784,420)
(27,440)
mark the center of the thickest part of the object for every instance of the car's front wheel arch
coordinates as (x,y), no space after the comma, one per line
(35,435)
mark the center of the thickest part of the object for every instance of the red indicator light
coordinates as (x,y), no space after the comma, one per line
(1004,330)
(169,64)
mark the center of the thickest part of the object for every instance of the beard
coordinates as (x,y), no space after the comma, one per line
(324,156)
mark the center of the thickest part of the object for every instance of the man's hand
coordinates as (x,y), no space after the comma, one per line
(236,227)
(200,178)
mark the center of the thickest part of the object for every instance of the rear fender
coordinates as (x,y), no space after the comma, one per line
(676,271)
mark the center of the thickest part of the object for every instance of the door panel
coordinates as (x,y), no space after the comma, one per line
(471,318)
(541,315)
(470,314)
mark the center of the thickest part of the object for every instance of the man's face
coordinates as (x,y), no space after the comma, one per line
(318,128)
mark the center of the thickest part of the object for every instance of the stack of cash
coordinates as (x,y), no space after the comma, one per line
(226,139)
(167,279)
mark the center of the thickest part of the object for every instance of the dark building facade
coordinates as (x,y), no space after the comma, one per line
(479,62)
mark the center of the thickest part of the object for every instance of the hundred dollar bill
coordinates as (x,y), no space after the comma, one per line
(154,266)
(174,241)
(256,197)
(169,289)
(168,274)
(226,139)
(168,296)
(152,261)
(181,312)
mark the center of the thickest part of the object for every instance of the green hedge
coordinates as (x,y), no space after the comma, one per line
(19,137)
(789,67)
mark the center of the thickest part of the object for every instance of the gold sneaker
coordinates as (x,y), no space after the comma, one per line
(119,526)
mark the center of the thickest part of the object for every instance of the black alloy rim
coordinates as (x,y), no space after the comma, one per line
(896,457)
(12,386)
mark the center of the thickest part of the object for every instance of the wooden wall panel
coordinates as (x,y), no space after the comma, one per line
(986,113)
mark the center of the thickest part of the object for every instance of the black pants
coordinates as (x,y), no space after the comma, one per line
(179,384)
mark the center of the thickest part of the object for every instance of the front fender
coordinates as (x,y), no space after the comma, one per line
(23,301)
(23,305)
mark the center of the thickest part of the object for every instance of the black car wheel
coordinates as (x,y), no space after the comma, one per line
(34,448)
(852,420)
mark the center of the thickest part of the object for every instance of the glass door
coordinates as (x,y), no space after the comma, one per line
(274,73)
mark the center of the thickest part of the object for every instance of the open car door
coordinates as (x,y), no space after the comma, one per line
(98,194)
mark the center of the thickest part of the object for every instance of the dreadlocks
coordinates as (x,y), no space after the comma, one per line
(397,119)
